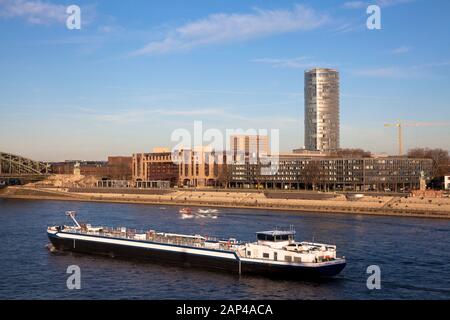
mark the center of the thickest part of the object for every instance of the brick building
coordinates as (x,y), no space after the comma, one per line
(155,166)
(117,167)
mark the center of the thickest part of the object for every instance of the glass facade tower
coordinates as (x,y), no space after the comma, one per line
(322,109)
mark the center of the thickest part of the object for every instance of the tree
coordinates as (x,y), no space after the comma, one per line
(312,173)
(224,175)
(440,157)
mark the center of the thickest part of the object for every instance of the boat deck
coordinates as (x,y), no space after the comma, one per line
(194,241)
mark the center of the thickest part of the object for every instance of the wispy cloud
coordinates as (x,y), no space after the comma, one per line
(381,3)
(354,4)
(142,115)
(35,12)
(401,50)
(432,65)
(403,71)
(384,72)
(220,115)
(299,62)
(389,3)
(226,28)
(39,12)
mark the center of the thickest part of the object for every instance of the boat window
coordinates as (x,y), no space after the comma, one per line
(265,237)
(249,253)
(266,255)
(285,237)
(288,258)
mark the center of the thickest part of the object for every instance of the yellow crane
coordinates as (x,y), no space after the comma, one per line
(400,125)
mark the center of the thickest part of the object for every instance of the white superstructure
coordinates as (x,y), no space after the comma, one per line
(279,245)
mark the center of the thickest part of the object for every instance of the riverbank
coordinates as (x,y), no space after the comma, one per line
(295,202)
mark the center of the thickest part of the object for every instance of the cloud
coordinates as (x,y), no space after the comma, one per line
(402,72)
(225,28)
(388,72)
(296,63)
(401,50)
(433,65)
(35,12)
(389,3)
(220,115)
(381,3)
(142,115)
(39,12)
(354,5)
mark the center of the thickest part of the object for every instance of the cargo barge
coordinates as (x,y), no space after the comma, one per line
(275,252)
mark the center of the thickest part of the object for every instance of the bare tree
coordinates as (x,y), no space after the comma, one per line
(225,175)
(440,157)
(312,173)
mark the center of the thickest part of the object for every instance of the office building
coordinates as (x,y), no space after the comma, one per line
(322,110)
(248,148)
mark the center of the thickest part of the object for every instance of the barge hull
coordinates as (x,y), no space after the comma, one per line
(146,254)
(197,261)
(292,272)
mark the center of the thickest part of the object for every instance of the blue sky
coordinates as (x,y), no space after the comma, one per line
(135,72)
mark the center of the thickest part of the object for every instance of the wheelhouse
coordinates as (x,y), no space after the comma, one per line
(275,238)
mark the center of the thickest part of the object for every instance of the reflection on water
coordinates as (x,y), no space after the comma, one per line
(413,255)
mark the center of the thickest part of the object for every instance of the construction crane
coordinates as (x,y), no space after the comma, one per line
(400,125)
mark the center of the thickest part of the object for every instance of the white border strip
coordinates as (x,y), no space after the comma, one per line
(149,246)
(304,264)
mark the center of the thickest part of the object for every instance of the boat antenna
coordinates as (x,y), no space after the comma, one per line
(72,215)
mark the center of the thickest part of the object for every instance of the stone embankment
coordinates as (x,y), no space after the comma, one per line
(283,201)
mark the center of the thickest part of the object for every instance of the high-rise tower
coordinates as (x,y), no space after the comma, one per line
(322,109)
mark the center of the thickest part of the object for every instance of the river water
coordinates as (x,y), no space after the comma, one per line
(413,255)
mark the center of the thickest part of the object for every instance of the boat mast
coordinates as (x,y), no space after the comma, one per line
(72,215)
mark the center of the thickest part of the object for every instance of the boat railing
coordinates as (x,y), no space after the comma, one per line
(151,236)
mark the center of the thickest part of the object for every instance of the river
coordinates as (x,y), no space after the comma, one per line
(413,255)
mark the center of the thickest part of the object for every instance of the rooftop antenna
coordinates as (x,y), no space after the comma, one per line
(72,215)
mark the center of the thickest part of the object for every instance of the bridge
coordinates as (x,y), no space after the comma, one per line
(15,169)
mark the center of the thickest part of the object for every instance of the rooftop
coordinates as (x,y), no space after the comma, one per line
(277,232)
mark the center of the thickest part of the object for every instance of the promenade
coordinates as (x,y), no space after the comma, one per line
(292,201)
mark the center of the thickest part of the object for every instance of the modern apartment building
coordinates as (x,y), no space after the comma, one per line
(248,148)
(358,174)
(200,167)
(322,109)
